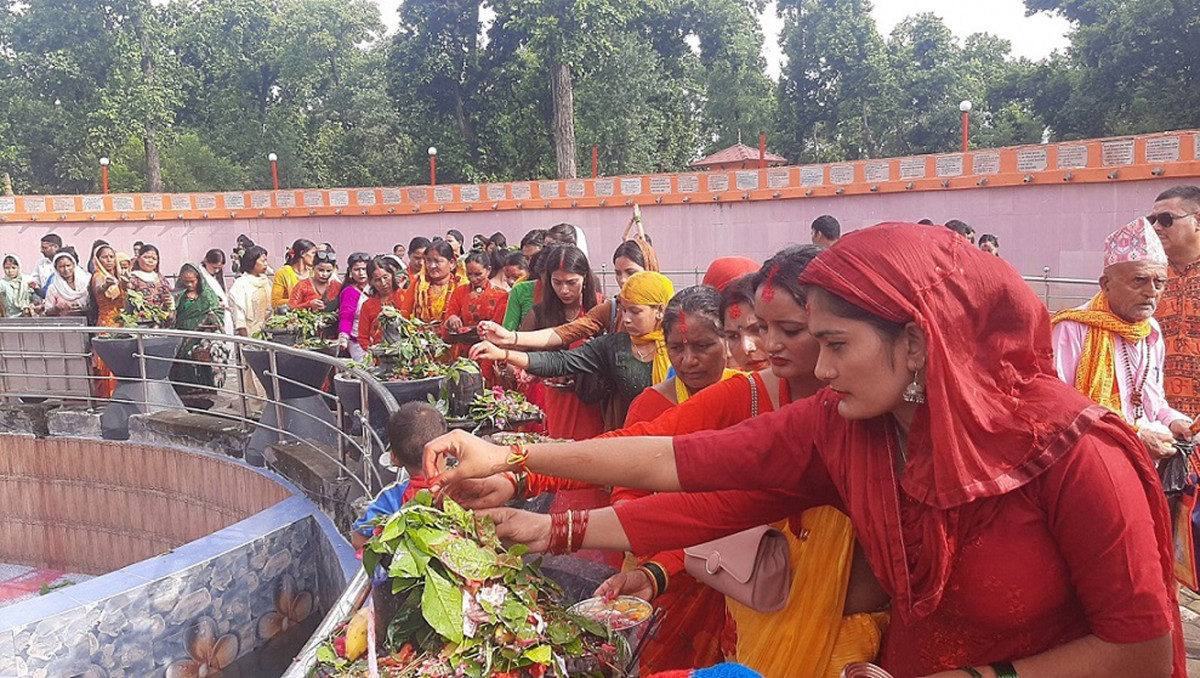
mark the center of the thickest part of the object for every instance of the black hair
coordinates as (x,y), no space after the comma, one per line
(697,301)
(418,243)
(535,237)
(517,259)
(926,222)
(784,268)
(52,238)
(481,239)
(631,251)
(10,256)
(298,249)
(482,258)
(959,226)
(551,312)
(740,291)
(147,247)
(215,256)
(399,244)
(563,233)
(988,237)
(410,429)
(251,255)
(384,263)
(827,226)
(499,240)
(496,256)
(244,240)
(356,257)
(326,257)
(457,235)
(1184,192)
(888,330)
(328,247)
(443,248)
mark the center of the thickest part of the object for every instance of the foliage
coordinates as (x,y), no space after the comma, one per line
(469,606)
(415,351)
(140,313)
(498,409)
(308,325)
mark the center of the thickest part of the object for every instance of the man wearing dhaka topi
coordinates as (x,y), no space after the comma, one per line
(1112,350)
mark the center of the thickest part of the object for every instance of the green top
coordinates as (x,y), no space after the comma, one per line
(520,302)
(609,355)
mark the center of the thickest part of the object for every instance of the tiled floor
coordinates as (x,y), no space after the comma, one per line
(19,582)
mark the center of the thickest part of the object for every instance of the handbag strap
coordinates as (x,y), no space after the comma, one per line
(753,394)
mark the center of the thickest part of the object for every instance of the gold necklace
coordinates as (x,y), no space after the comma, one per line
(637,351)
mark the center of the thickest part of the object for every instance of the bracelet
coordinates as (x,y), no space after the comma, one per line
(558,534)
(518,456)
(659,575)
(971,671)
(506,355)
(579,522)
(512,478)
(522,486)
(653,581)
(1004,670)
(516,341)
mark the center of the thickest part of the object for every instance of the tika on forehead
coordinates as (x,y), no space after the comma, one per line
(768,292)
(1135,241)
(683,326)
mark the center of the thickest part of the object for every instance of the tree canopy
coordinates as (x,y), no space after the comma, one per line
(192,95)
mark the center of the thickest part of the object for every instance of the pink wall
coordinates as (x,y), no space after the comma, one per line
(1061,226)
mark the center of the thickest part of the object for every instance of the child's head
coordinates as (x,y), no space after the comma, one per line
(409,429)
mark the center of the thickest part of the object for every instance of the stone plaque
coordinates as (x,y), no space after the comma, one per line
(469,193)
(152,203)
(604,187)
(339,198)
(39,204)
(392,196)
(841,174)
(260,200)
(8,204)
(522,191)
(576,189)
(234,200)
(497,192)
(688,183)
(877,171)
(747,181)
(443,194)
(94,203)
(631,186)
(314,199)
(364,197)
(1116,152)
(1032,159)
(660,184)
(912,168)
(717,182)
(1072,156)
(1162,149)
(950,165)
(779,178)
(812,176)
(288,199)
(63,203)
(548,189)
(203,202)
(418,195)
(178,202)
(121,203)
(985,163)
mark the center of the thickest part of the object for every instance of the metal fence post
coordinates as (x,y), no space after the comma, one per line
(141,351)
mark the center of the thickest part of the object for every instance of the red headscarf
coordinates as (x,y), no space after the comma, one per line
(725,270)
(997,414)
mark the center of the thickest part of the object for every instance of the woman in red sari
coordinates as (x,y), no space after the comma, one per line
(1018,528)
(381,276)
(479,299)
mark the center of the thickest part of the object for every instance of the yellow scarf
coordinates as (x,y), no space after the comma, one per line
(1096,376)
(681,391)
(648,288)
(429,307)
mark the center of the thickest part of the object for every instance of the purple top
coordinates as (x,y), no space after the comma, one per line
(351,301)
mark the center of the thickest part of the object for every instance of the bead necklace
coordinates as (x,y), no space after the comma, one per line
(1137,382)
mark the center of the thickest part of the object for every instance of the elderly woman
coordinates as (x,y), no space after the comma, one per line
(634,359)
(1017,527)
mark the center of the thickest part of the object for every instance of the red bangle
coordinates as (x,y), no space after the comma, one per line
(558,534)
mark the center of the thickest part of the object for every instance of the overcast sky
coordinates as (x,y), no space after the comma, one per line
(1033,37)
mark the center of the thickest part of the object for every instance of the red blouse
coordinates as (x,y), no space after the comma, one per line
(368,319)
(471,306)
(1071,553)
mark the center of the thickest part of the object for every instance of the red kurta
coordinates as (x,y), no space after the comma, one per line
(368,319)
(304,292)
(1070,553)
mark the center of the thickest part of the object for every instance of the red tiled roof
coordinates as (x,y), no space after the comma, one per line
(738,153)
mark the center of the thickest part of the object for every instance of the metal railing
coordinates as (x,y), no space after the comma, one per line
(1057,293)
(33,366)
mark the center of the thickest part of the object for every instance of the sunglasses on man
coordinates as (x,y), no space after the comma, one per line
(1166,219)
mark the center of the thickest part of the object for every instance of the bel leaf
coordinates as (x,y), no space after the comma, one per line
(441,605)
(467,559)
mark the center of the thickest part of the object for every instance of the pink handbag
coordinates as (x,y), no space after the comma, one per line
(752,567)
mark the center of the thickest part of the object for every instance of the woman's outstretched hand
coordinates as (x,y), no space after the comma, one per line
(486,350)
(476,457)
(496,334)
(515,526)
(635,582)
(485,493)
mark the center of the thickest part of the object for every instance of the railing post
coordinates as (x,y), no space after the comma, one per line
(365,421)
(141,351)
(276,398)
(1046,278)
(604,279)
(239,367)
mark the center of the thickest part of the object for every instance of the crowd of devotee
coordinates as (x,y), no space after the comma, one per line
(963,484)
